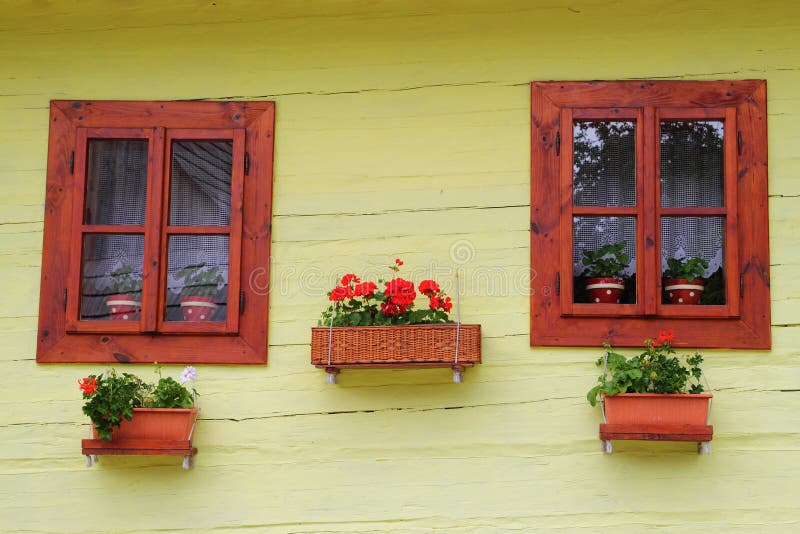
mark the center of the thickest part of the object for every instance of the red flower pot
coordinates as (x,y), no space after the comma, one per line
(157,423)
(682,291)
(605,290)
(123,307)
(197,308)
(657,409)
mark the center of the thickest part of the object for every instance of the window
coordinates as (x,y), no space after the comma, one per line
(157,232)
(670,170)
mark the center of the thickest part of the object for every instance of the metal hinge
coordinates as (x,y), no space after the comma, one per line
(72,162)
(241,302)
(65,300)
(558,143)
(246,163)
(558,283)
(739,142)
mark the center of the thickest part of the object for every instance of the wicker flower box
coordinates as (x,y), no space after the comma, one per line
(431,345)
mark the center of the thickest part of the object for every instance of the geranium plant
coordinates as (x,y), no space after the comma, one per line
(608,261)
(125,280)
(656,370)
(111,397)
(200,280)
(685,269)
(388,302)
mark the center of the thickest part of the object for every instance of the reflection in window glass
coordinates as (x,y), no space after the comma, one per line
(111,287)
(116,181)
(200,183)
(591,235)
(604,163)
(197,278)
(684,239)
(692,163)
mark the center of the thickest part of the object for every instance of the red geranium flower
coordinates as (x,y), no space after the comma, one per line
(401,292)
(389,310)
(398,261)
(428,288)
(88,385)
(439,302)
(665,336)
(365,289)
(346,279)
(340,293)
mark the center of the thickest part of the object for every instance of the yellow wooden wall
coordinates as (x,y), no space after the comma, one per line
(402,131)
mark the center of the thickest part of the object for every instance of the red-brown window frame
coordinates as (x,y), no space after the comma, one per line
(744,321)
(242,337)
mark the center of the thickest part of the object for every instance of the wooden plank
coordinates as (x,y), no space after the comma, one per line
(138,447)
(657,432)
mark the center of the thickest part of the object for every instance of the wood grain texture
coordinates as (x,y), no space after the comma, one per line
(402,129)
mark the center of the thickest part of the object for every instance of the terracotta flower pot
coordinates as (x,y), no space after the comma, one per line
(657,409)
(158,424)
(605,290)
(197,308)
(123,307)
(682,291)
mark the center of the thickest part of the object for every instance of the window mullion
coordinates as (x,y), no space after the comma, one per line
(151,292)
(650,279)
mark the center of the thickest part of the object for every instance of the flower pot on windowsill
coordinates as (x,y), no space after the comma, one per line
(682,291)
(197,308)
(123,307)
(606,290)
(419,345)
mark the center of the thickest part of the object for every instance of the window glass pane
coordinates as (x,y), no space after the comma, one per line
(200,183)
(111,288)
(197,278)
(598,236)
(684,239)
(604,163)
(692,163)
(116,181)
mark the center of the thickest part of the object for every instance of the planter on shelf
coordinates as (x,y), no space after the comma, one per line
(605,290)
(123,307)
(122,425)
(197,308)
(653,396)
(652,416)
(683,291)
(368,326)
